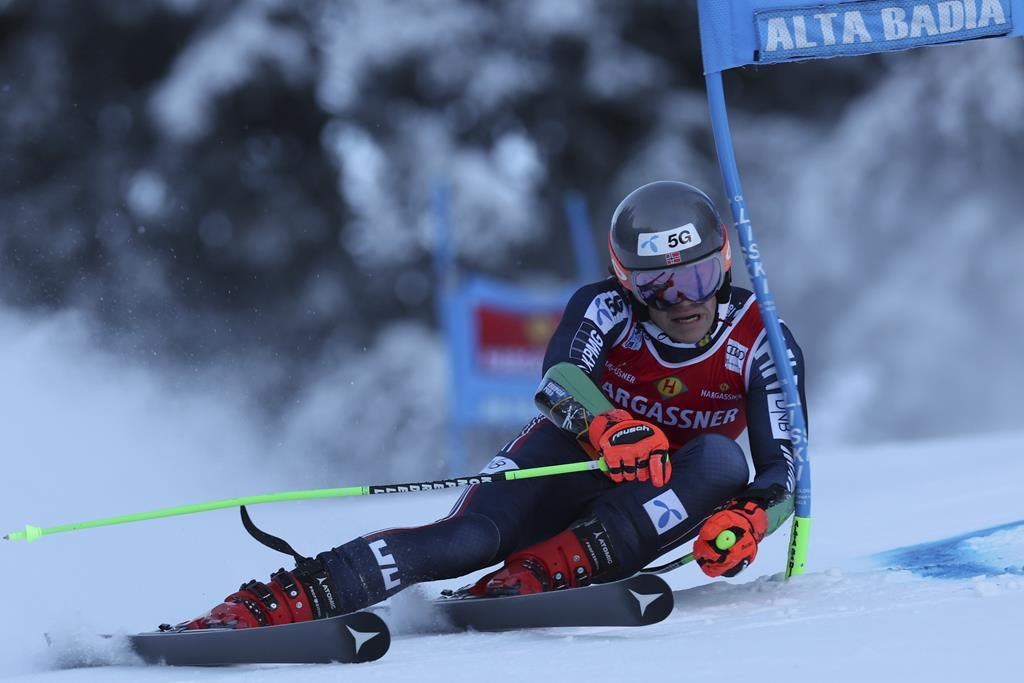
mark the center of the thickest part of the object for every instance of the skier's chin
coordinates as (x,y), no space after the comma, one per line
(687,325)
(688,331)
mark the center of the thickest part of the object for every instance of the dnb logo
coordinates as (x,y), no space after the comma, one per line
(670,386)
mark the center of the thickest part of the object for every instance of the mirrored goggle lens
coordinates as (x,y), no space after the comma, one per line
(694,282)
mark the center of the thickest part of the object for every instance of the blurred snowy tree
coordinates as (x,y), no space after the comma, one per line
(248,181)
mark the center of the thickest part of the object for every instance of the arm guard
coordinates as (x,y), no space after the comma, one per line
(567,397)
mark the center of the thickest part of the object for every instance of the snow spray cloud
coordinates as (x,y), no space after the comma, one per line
(86,435)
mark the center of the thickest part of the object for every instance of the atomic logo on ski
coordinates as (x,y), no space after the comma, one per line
(362,637)
(644,600)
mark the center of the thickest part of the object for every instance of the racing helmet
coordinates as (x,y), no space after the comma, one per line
(668,244)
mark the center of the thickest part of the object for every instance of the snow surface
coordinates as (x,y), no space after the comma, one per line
(87,437)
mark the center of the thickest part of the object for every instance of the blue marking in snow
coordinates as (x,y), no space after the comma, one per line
(989,552)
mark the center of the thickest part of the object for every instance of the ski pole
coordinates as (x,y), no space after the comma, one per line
(723,541)
(31,533)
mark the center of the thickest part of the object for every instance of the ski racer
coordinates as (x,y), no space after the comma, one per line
(683,357)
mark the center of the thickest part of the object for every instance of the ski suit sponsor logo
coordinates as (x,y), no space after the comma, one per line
(720,395)
(671,386)
(586,347)
(859,27)
(386,562)
(635,340)
(669,416)
(666,511)
(675,239)
(779,415)
(606,311)
(500,463)
(735,354)
(620,373)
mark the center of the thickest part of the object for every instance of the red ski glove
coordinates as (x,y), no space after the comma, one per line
(632,449)
(728,540)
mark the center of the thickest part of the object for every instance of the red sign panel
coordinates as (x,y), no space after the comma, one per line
(512,342)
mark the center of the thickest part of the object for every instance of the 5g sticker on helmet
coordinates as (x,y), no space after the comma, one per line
(675,239)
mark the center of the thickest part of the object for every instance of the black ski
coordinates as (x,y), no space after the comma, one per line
(637,601)
(356,637)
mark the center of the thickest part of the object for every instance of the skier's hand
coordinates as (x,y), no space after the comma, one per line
(632,449)
(728,540)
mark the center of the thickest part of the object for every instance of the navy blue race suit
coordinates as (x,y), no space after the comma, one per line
(702,395)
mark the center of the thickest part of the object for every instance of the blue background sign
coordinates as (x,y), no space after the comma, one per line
(865,27)
(739,32)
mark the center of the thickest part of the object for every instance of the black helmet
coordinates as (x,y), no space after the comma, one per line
(668,243)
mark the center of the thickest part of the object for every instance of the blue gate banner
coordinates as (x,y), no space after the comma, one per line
(741,32)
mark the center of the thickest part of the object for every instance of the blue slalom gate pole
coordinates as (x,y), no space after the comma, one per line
(445,263)
(799,535)
(587,262)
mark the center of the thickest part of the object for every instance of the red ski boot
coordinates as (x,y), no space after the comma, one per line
(557,563)
(302,594)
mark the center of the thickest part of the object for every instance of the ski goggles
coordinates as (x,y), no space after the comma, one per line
(664,288)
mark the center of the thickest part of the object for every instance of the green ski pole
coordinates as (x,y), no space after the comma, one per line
(32,533)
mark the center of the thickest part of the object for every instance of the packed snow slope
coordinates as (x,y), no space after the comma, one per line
(83,440)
